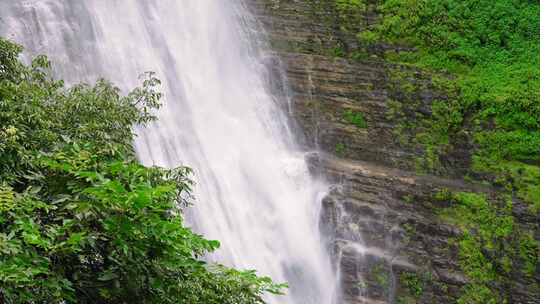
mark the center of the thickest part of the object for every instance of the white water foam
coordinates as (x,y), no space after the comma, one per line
(254,192)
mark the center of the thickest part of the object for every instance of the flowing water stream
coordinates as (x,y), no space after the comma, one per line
(254,192)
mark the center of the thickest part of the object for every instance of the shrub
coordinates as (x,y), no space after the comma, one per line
(81,221)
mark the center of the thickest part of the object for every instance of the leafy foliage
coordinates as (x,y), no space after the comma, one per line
(81,221)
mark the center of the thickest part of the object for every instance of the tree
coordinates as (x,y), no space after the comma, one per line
(81,221)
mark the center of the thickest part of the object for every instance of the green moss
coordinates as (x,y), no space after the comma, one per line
(381,275)
(413,283)
(355,118)
(408,198)
(360,55)
(415,128)
(340,149)
(473,210)
(367,37)
(529,251)
(338,51)
(524,179)
(479,294)
(443,195)
(491,246)
(403,80)
(362,285)
(473,261)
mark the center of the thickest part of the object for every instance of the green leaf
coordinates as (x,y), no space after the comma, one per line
(107,276)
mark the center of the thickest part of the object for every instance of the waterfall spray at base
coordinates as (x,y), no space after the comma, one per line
(254,192)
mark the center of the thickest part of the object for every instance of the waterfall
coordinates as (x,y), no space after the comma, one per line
(253,189)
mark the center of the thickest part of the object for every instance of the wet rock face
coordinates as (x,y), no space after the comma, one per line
(390,243)
(330,93)
(387,240)
(327,88)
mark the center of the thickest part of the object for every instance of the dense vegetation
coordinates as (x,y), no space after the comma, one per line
(493,50)
(81,221)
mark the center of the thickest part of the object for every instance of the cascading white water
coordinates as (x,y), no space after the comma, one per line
(254,192)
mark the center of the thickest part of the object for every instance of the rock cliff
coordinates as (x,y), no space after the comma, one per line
(389,239)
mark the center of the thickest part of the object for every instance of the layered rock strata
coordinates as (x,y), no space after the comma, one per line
(387,239)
